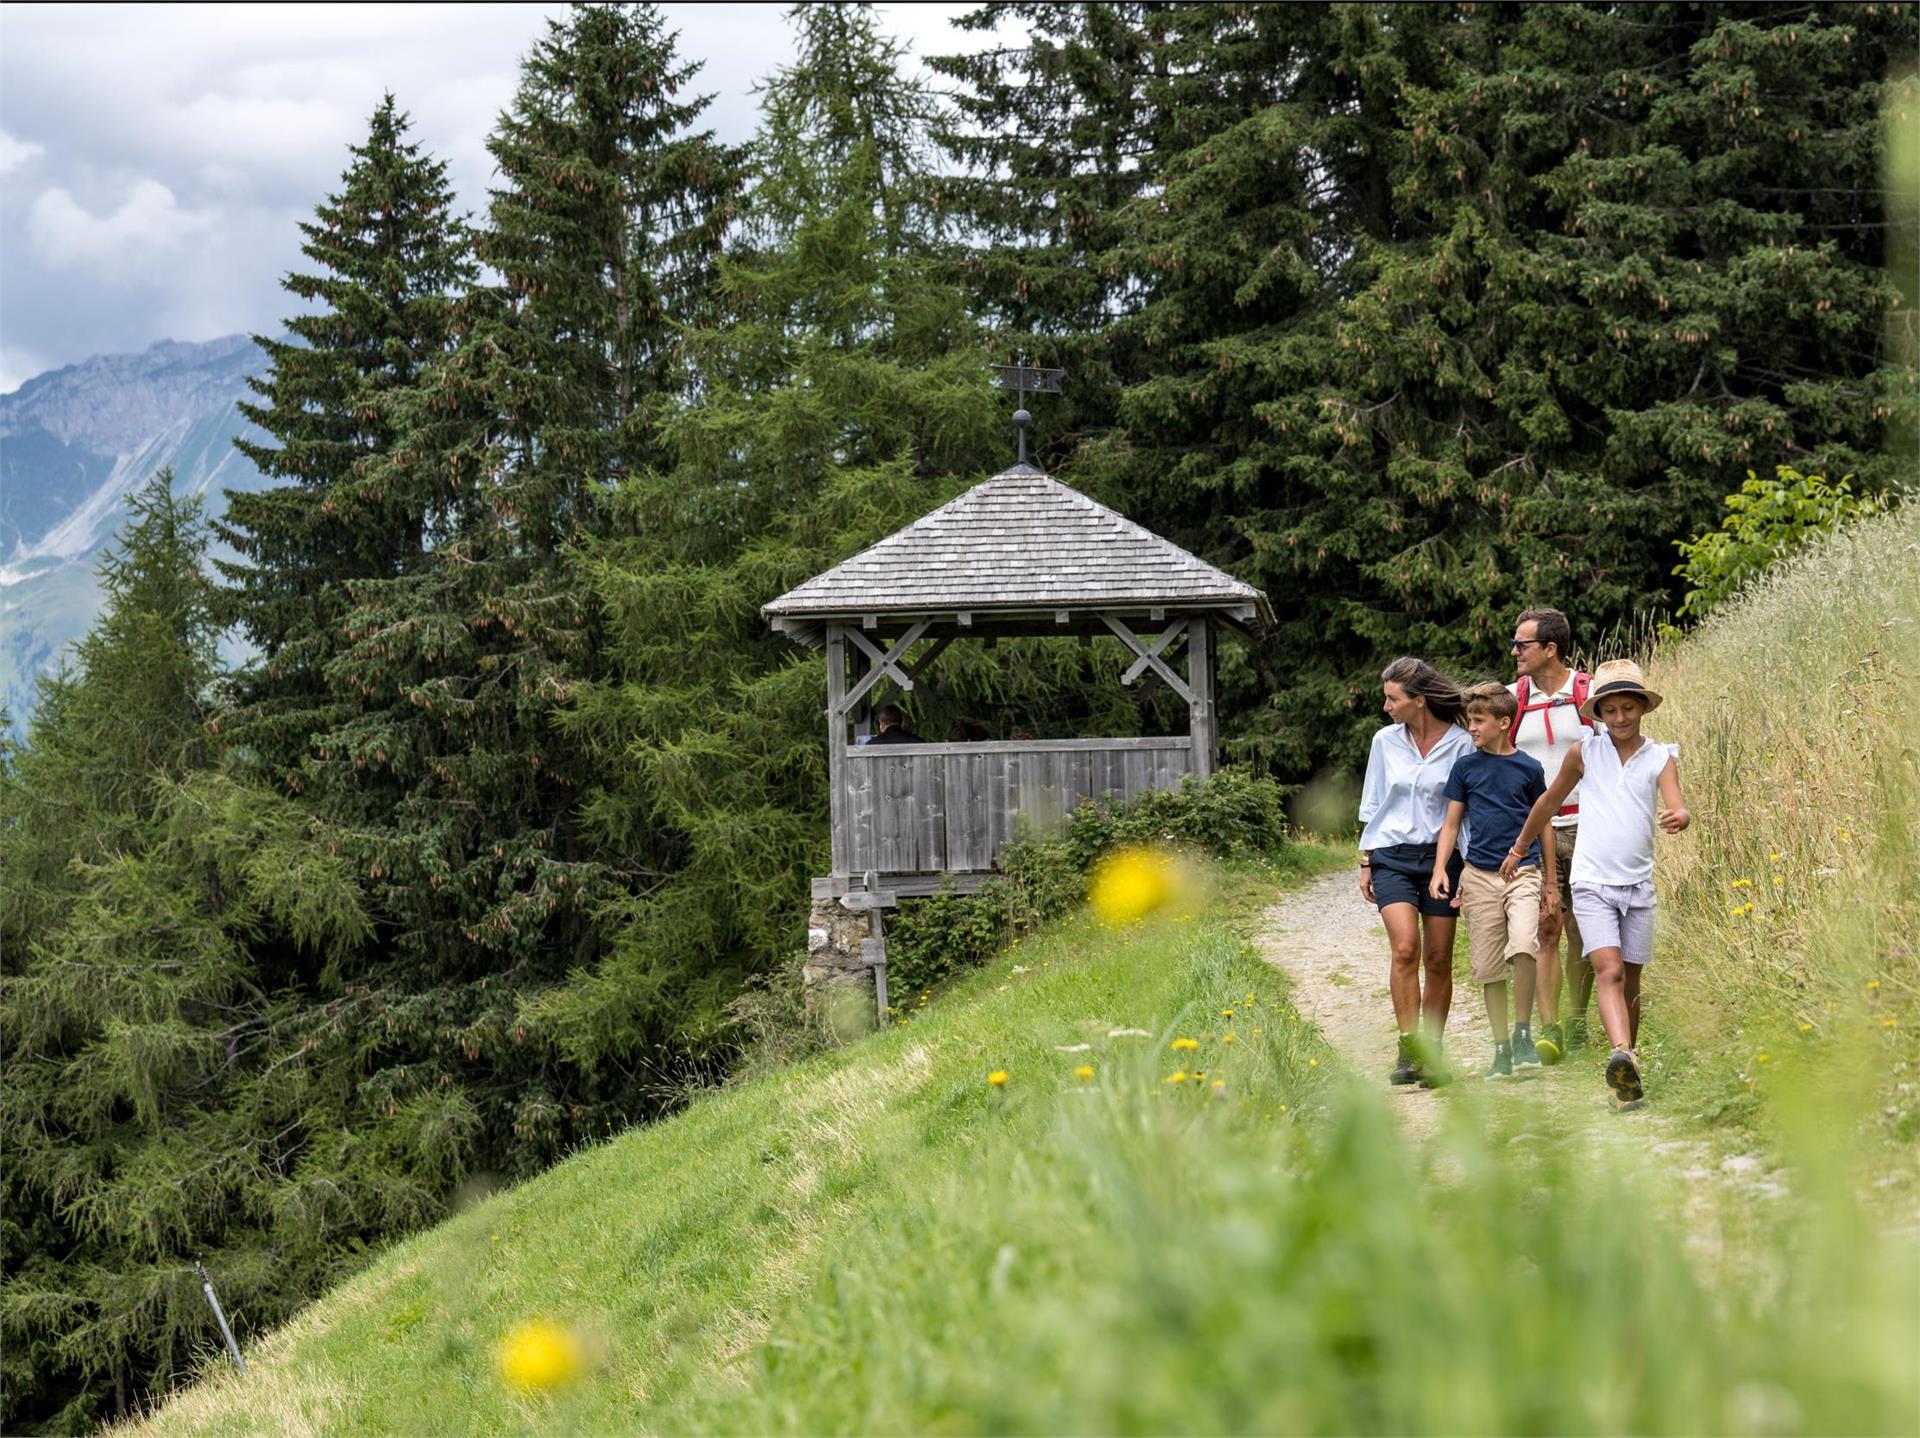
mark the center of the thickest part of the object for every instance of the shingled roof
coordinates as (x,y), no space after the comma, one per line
(1021,540)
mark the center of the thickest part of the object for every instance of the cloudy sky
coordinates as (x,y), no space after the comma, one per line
(155,158)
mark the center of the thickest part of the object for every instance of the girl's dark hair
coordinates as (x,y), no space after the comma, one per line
(1445,699)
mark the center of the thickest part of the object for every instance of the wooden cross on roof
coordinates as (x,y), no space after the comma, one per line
(1025,379)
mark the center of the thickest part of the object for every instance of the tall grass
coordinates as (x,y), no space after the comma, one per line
(1790,913)
(881,1240)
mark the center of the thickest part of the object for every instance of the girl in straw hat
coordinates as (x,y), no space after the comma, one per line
(1629,785)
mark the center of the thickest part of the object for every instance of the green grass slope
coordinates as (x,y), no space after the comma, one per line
(880,1239)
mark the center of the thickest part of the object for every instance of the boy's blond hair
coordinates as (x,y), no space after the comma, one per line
(1495,699)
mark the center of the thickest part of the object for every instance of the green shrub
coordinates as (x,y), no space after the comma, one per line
(1765,521)
(1232,814)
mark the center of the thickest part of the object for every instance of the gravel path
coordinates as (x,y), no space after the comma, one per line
(1331,944)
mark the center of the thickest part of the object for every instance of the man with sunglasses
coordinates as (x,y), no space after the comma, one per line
(1550,694)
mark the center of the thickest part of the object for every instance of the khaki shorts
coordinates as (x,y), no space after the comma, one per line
(1503,920)
(1563,841)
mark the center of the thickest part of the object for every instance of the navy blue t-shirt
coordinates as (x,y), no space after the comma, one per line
(1498,790)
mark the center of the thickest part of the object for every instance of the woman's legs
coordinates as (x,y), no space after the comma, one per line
(1403,964)
(1437,966)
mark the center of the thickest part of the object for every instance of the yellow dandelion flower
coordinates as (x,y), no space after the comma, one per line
(998,1078)
(1131,884)
(1873,983)
(1742,884)
(1806,1028)
(1219,1083)
(540,1355)
(1226,1013)
(1778,880)
(1313,1063)
(1185,1045)
(1180,1077)
(1889,1022)
(1774,857)
(1226,1038)
(1085,1071)
(1761,1059)
(1283,1108)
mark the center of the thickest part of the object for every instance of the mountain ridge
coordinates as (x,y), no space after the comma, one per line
(75,442)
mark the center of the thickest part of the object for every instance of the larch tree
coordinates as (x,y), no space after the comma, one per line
(181,1065)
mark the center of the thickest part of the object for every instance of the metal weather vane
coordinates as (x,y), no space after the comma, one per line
(1025,379)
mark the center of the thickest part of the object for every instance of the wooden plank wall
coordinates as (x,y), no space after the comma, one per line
(948,808)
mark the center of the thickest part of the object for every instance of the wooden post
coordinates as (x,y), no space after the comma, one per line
(1204,729)
(837,746)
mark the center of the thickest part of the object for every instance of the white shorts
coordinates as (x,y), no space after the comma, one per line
(1616,916)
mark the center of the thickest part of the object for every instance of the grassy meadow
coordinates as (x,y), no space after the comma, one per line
(881,1238)
(1788,987)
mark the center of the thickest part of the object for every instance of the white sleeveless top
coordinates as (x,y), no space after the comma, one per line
(1617,806)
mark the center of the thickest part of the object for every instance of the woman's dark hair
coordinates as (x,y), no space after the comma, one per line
(1550,626)
(1445,699)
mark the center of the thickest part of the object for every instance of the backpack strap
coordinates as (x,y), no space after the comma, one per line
(1583,686)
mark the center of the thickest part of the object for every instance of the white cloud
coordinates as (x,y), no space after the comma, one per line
(17,154)
(65,234)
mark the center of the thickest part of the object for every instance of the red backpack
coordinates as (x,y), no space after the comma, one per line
(1582,684)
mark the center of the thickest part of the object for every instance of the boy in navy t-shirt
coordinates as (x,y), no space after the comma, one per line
(1492,789)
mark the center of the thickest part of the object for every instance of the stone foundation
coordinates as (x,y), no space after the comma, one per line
(839,972)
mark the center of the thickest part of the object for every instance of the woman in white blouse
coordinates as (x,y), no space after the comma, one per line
(1402,808)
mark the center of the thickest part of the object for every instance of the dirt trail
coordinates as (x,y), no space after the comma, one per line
(1332,945)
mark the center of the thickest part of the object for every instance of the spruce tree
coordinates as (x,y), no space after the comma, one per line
(446,779)
(388,258)
(181,1065)
(1632,253)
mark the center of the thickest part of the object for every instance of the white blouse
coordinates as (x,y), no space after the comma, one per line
(1403,800)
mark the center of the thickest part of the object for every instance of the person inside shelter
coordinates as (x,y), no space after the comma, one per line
(890,721)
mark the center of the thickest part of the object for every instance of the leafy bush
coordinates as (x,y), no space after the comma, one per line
(1766,520)
(1232,814)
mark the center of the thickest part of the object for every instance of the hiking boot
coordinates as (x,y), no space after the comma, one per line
(1525,1054)
(1623,1077)
(1549,1044)
(1406,1068)
(1502,1065)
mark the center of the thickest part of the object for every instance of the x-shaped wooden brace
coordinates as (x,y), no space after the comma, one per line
(884,665)
(1150,654)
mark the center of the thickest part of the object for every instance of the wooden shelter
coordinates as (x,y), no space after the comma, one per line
(1021,554)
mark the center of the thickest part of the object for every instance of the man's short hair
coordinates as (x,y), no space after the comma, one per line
(1550,626)
(1494,699)
(890,716)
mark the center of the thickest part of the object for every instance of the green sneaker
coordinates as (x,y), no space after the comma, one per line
(1406,1068)
(1549,1044)
(1526,1054)
(1575,1028)
(1502,1065)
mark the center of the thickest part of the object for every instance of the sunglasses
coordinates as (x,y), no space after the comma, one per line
(1520,644)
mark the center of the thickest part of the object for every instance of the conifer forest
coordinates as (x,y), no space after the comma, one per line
(1408,315)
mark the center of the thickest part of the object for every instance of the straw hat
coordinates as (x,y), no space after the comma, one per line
(1618,676)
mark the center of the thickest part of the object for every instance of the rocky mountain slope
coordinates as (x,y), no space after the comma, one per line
(74,443)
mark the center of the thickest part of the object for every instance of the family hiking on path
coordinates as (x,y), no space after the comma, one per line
(1531,809)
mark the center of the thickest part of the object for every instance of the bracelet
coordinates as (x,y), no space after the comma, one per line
(1366,863)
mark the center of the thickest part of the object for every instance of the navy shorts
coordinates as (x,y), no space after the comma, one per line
(1401,873)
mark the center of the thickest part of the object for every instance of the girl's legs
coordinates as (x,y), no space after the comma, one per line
(1609,987)
(1437,966)
(1630,987)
